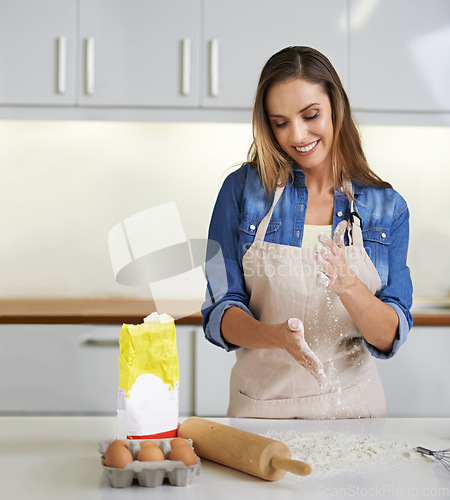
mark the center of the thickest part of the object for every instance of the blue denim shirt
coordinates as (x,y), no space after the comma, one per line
(241,205)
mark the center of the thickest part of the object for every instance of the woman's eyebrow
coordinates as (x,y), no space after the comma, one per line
(309,106)
(301,111)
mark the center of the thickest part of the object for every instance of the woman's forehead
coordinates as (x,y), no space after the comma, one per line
(296,92)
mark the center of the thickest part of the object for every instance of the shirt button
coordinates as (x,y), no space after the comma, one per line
(253,227)
(339,214)
(383,235)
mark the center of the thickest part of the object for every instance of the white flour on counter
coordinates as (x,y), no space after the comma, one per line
(330,453)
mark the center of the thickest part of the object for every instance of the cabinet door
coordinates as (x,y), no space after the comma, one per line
(212,377)
(415,380)
(241,36)
(139,52)
(399,55)
(59,368)
(37,43)
(56,369)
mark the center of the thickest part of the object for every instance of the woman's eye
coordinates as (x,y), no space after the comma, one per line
(315,115)
(280,125)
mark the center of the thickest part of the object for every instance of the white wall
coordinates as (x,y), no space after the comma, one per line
(416,161)
(65,184)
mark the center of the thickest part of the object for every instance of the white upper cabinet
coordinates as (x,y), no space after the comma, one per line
(400,55)
(239,37)
(139,53)
(201,59)
(37,52)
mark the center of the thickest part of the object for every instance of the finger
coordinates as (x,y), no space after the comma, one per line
(312,363)
(328,243)
(325,281)
(318,372)
(296,325)
(323,252)
(324,265)
(322,379)
(331,281)
(323,238)
(322,280)
(339,233)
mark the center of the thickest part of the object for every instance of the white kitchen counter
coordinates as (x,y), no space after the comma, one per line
(57,458)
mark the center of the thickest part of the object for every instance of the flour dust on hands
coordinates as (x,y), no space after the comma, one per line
(329,255)
(308,359)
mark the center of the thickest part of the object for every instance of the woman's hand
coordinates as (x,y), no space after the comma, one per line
(241,329)
(334,274)
(291,338)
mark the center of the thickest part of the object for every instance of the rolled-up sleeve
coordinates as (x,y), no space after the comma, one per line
(398,291)
(225,279)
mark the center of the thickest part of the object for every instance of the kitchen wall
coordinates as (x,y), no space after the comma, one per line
(65,184)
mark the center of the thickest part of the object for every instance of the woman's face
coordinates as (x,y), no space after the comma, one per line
(301,119)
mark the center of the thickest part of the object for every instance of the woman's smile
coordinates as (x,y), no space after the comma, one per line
(308,149)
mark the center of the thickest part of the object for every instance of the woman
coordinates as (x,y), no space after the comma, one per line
(314,245)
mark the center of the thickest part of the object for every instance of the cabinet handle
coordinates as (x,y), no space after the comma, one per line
(101,342)
(186,65)
(62,65)
(214,67)
(90,65)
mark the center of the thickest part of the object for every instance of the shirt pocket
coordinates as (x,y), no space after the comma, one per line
(376,243)
(247,233)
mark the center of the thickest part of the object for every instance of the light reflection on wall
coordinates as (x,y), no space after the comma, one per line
(416,161)
(65,184)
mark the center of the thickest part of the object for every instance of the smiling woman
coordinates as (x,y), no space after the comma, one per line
(306,323)
(292,68)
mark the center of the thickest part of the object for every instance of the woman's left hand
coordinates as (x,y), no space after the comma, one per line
(334,274)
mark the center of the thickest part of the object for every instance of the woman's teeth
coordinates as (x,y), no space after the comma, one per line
(305,149)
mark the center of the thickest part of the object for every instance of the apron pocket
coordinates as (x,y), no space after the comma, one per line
(342,404)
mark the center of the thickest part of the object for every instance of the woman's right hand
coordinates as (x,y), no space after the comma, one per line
(291,338)
(241,329)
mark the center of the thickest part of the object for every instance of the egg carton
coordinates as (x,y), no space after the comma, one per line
(149,474)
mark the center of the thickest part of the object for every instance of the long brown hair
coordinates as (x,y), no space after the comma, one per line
(265,154)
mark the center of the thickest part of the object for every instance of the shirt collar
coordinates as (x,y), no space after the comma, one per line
(358,186)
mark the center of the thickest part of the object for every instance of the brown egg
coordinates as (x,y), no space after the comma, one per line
(150,454)
(117,456)
(119,442)
(183,454)
(178,442)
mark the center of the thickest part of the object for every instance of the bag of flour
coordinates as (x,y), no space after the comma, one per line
(148,401)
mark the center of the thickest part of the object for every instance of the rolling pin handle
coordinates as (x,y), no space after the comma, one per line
(293,466)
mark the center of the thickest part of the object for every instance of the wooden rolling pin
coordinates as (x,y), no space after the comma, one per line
(241,450)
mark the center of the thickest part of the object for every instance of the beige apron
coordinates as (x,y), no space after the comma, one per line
(281,283)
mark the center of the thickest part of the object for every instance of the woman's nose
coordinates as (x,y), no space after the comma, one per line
(298,132)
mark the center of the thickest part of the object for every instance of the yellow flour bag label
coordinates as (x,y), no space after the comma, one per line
(148,401)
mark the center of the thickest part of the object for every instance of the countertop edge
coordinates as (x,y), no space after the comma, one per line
(118,311)
(103,311)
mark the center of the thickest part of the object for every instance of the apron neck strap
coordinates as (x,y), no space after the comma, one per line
(354,222)
(264,224)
